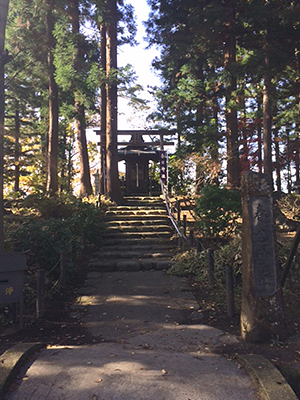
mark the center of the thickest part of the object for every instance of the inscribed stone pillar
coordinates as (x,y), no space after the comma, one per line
(262,314)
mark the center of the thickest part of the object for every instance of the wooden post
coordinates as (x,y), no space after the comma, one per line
(179,241)
(40,301)
(178,210)
(230,291)
(63,273)
(191,238)
(211,267)
(199,245)
(291,257)
(184,225)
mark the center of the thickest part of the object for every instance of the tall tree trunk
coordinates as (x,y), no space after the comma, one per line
(80,129)
(297,147)
(297,142)
(215,147)
(288,159)
(278,163)
(63,164)
(103,114)
(52,142)
(267,125)
(17,149)
(200,175)
(113,183)
(259,131)
(3,19)
(267,112)
(80,125)
(233,162)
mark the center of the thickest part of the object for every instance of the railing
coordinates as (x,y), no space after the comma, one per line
(191,243)
(172,217)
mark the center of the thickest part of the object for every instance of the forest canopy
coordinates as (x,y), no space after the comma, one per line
(230,72)
(230,87)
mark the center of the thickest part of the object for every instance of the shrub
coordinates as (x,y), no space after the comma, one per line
(218,210)
(53,226)
(289,205)
(196,264)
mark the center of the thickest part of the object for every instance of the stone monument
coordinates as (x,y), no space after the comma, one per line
(262,315)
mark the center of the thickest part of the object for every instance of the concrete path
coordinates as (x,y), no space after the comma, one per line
(147,347)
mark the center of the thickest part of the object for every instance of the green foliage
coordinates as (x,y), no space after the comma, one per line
(230,254)
(190,263)
(54,225)
(196,264)
(218,210)
(290,205)
(179,174)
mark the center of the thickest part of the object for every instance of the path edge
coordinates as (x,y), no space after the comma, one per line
(266,377)
(12,360)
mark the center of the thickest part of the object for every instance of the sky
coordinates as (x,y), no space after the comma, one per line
(140,58)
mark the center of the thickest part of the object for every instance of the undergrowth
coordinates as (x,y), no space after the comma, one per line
(45,228)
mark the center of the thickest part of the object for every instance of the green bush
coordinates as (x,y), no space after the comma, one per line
(190,263)
(196,264)
(218,210)
(53,226)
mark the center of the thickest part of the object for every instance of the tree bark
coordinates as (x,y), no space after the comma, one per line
(233,162)
(259,133)
(267,126)
(297,144)
(80,125)
(103,115)
(288,159)
(113,183)
(85,176)
(17,149)
(277,153)
(52,142)
(267,113)
(3,18)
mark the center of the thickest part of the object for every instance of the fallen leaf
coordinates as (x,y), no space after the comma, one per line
(98,380)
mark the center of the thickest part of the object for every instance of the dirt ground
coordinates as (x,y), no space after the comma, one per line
(58,327)
(284,355)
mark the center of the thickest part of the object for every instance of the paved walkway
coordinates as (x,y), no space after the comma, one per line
(146,348)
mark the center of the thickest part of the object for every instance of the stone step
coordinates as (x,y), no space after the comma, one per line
(126,240)
(130,265)
(137,235)
(129,213)
(132,254)
(136,217)
(140,246)
(132,203)
(136,222)
(139,228)
(143,198)
(143,207)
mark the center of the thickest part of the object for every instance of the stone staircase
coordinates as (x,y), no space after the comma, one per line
(139,236)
